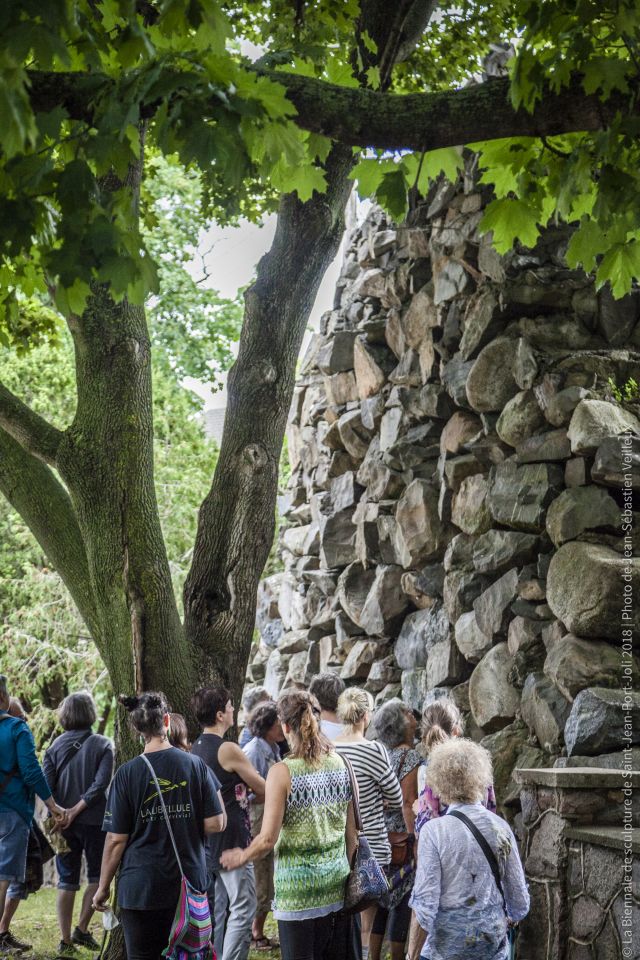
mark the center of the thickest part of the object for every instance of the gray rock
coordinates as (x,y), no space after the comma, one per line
(524,634)
(337,539)
(545,711)
(521,416)
(424,587)
(445,665)
(595,420)
(271,632)
(580,509)
(525,366)
(371,365)
(457,469)
(574,663)
(383,483)
(505,746)
(560,405)
(371,411)
(277,668)
(341,388)
(492,607)
(491,383)
(550,446)
(454,377)
(420,632)
(461,589)
(385,602)
(413,688)
(585,589)
(355,437)
(615,458)
(382,673)
(497,550)
(493,699)
(419,317)
(336,355)
(481,322)
(597,721)
(471,641)
(390,426)
(450,279)
(518,496)
(617,318)
(407,373)
(576,472)
(462,429)
(618,760)
(359,660)
(469,510)
(421,535)
(345,492)
(354,585)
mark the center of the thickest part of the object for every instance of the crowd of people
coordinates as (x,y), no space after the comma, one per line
(265,825)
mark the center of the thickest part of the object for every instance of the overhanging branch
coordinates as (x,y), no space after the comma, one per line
(43,503)
(367,118)
(31,431)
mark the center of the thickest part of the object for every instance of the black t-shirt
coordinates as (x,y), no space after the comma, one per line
(235,798)
(149,876)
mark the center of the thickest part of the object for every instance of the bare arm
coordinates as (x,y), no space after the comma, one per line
(278,786)
(351,833)
(409,786)
(234,760)
(114,848)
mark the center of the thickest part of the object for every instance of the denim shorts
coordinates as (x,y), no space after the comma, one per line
(81,837)
(14,839)
(17,891)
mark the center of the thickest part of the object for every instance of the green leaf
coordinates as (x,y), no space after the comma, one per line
(392,194)
(620,266)
(369,174)
(510,220)
(586,243)
(606,74)
(448,160)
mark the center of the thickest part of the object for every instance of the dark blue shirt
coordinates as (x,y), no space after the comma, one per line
(149,876)
(82,773)
(18,752)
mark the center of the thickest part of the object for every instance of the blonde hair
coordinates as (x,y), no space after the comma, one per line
(459,770)
(301,712)
(439,720)
(354,704)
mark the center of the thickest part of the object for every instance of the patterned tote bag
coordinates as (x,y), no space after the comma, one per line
(190,937)
(366,882)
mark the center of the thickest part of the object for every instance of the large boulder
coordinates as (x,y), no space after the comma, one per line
(595,420)
(461,590)
(493,607)
(354,584)
(615,459)
(385,602)
(518,495)
(469,510)
(586,588)
(493,699)
(471,641)
(359,660)
(580,509)
(491,381)
(599,721)
(497,550)
(545,711)
(420,534)
(520,418)
(549,446)
(337,539)
(445,665)
(413,688)
(459,431)
(574,663)
(420,632)
(505,746)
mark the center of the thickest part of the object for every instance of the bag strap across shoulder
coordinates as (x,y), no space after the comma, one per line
(166,815)
(75,749)
(485,847)
(355,793)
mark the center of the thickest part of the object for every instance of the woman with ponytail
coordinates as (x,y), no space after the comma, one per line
(308,819)
(138,840)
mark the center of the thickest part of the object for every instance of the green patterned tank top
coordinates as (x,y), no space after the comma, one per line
(311,857)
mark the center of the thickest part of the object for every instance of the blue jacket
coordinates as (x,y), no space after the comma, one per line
(18,752)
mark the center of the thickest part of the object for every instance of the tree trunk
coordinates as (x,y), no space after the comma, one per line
(236,520)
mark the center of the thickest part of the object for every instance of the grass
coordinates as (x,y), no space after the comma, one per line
(36,923)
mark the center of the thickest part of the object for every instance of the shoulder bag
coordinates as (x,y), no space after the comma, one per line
(54,836)
(493,864)
(190,936)
(366,882)
(400,841)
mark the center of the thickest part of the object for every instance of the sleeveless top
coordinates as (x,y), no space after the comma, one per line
(311,864)
(235,796)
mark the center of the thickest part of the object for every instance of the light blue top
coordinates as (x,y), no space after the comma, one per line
(262,754)
(455,897)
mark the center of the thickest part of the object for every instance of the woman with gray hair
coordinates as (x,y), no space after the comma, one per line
(78,766)
(395,726)
(470,885)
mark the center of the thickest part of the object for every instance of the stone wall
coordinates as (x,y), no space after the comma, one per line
(453,520)
(584,903)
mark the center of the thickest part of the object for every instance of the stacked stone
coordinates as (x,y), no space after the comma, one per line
(454,511)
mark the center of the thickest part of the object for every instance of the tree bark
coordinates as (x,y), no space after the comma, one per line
(236,520)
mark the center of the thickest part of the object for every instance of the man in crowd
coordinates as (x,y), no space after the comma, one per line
(326,688)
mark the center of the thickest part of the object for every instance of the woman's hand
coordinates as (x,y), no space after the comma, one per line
(101,899)
(232,859)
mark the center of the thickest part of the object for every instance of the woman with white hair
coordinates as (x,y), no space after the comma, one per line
(470,885)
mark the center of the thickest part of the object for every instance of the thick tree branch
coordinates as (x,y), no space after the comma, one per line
(31,431)
(43,503)
(367,118)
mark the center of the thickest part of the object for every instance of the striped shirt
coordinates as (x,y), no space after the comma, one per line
(378,787)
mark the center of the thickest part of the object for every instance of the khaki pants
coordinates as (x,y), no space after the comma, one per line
(263,868)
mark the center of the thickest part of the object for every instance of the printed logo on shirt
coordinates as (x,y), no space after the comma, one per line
(175,810)
(166,786)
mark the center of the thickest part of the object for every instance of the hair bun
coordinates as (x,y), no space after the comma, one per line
(154,702)
(129,703)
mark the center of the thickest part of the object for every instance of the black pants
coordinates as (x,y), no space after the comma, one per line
(146,932)
(322,938)
(395,922)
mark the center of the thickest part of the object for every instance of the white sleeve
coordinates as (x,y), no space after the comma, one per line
(425,898)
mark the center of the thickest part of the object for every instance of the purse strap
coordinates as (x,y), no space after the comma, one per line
(166,815)
(485,847)
(355,795)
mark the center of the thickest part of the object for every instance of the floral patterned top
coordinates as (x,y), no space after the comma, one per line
(430,806)
(403,761)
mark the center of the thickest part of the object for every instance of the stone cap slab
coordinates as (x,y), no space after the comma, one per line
(613,837)
(592,778)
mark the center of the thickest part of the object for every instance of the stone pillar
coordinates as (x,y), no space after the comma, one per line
(573,854)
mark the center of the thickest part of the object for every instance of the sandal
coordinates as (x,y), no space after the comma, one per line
(264,943)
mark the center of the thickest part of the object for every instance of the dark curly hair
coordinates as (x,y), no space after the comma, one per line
(262,719)
(146,712)
(208,702)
